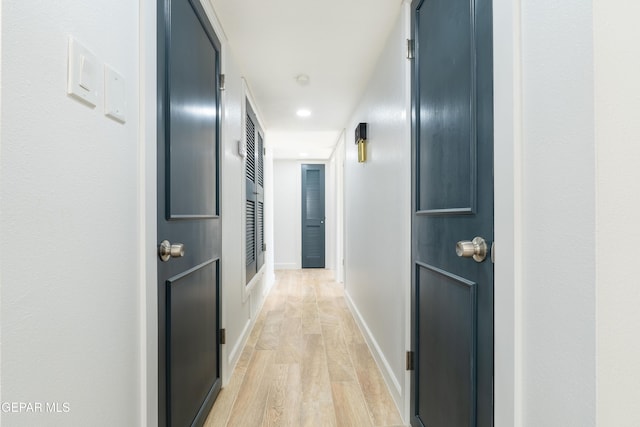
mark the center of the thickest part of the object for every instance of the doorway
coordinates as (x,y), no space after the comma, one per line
(188,214)
(452,228)
(313,216)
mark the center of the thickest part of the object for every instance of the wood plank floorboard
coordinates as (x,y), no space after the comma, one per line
(305,363)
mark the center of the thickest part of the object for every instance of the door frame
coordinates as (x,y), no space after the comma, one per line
(507,213)
(303,189)
(147,208)
(247,97)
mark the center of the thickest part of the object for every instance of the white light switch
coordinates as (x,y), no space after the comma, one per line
(87,74)
(83,79)
(115,99)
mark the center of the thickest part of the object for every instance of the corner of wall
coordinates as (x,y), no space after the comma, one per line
(372,278)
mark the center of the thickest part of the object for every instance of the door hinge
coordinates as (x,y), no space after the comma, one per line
(264,247)
(493,252)
(223,336)
(264,151)
(409,365)
(222,81)
(411,48)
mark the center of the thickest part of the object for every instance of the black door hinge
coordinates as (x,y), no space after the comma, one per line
(222,81)
(409,365)
(223,336)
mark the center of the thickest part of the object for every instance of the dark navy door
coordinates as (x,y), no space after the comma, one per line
(188,213)
(452,142)
(313,218)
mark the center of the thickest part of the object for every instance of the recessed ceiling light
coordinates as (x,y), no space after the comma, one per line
(302,79)
(304,154)
(303,112)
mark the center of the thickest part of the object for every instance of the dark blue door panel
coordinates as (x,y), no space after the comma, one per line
(452,174)
(188,213)
(313,216)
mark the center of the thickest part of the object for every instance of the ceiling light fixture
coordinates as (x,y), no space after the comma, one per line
(302,79)
(303,112)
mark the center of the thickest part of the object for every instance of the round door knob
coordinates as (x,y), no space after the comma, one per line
(476,249)
(166,250)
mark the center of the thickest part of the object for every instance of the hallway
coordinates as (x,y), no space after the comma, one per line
(305,363)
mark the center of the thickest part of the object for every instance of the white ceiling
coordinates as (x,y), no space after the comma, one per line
(335,42)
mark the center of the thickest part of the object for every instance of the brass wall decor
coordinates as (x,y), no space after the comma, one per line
(361,142)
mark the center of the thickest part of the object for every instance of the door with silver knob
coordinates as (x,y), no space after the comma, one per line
(313,216)
(452,187)
(189,224)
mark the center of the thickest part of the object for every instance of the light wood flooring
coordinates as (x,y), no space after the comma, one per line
(305,363)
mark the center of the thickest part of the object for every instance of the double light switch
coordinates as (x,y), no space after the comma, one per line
(85,81)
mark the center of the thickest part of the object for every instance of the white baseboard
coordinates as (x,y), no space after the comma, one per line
(387,373)
(287,266)
(234,354)
(236,351)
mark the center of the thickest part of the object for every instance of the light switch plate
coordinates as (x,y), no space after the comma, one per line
(84,73)
(115,99)
(242,149)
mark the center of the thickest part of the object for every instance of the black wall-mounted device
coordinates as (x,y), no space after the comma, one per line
(361,132)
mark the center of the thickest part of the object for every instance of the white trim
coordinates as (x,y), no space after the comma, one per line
(508,213)
(225,371)
(337,157)
(385,368)
(247,97)
(286,266)
(406,412)
(215,23)
(255,279)
(148,215)
(1,115)
(235,352)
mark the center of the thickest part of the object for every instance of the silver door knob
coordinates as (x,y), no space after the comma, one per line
(166,250)
(476,249)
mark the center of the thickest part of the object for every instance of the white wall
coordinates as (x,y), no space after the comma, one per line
(567,101)
(148,214)
(236,308)
(269,217)
(287,212)
(337,165)
(617,136)
(559,255)
(240,304)
(331,182)
(70,296)
(377,213)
